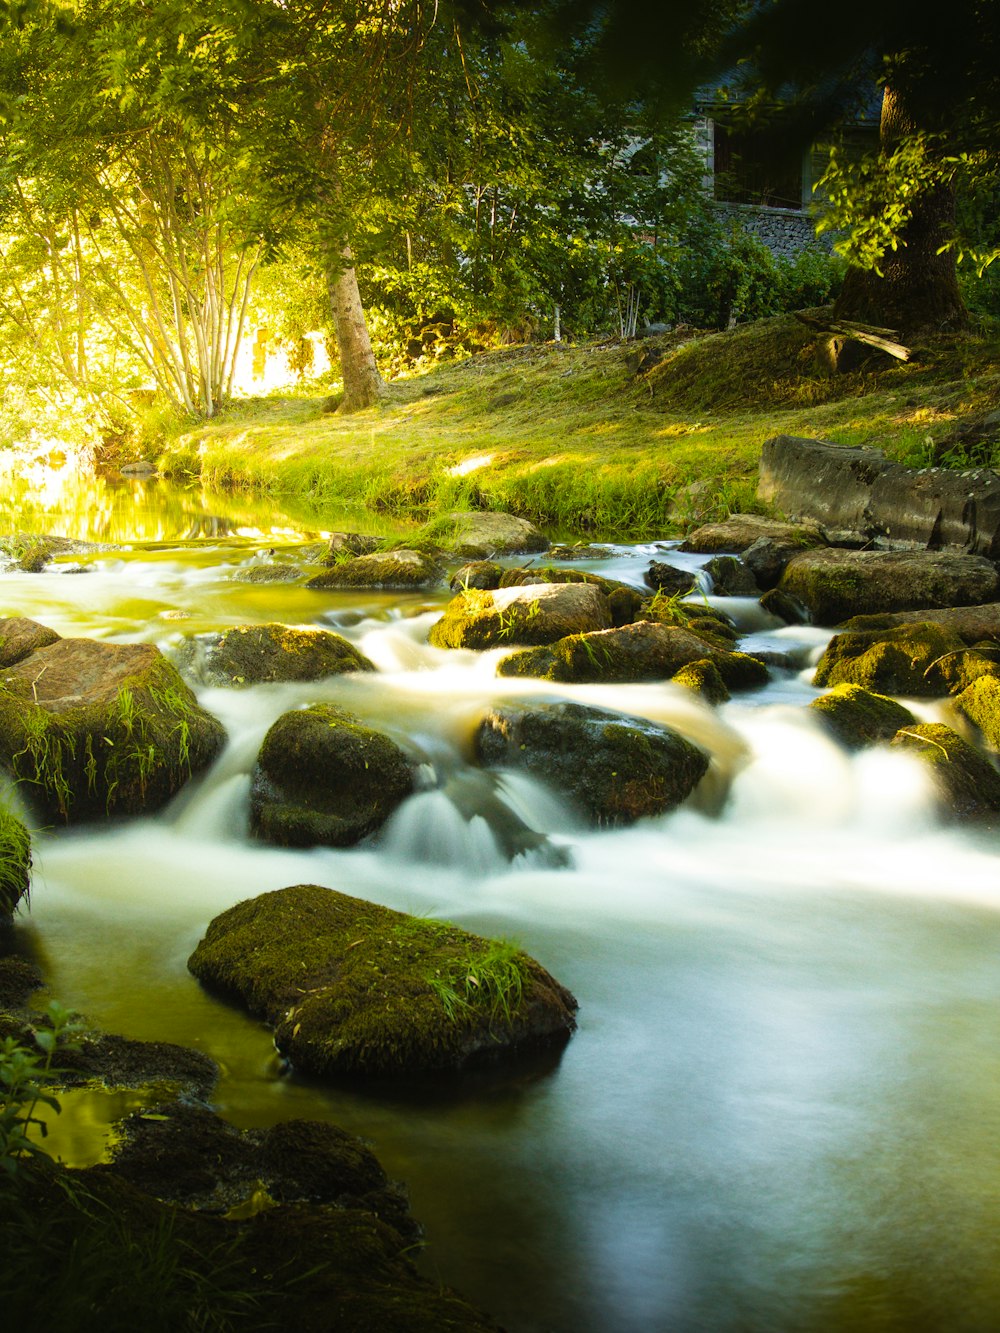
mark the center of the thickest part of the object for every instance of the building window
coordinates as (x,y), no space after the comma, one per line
(746,174)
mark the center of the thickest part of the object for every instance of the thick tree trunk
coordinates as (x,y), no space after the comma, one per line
(917,291)
(363,385)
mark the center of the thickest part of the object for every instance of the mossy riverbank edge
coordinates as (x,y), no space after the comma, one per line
(621,439)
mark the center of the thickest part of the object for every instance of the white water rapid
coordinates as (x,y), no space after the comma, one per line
(781,1110)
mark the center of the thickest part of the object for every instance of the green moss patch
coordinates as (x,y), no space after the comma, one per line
(15,862)
(980,703)
(856,717)
(921,659)
(967,784)
(353,989)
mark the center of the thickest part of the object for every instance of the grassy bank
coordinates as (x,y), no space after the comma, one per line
(627,440)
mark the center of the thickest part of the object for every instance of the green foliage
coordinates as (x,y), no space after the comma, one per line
(15,861)
(28,1073)
(491,979)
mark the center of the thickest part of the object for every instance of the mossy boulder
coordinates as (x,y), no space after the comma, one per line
(738,532)
(15,863)
(703,678)
(355,990)
(778,603)
(253,654)
(539,613)
(731,577)
(857,718)
(323,777)
(341,544)
(91,729)
(707,622)
(836,584)
(967,784)
(483,575)
(970,623)
(20,636)
(980,703)
(669,579)
(640,651)
(401,570)
(477,535)
(768,557)
(186,1154)
(920,660)
(278,571)
(615,768)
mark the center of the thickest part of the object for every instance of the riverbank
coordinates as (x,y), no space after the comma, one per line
(622,439)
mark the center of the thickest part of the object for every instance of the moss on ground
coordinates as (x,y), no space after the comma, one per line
(587,444)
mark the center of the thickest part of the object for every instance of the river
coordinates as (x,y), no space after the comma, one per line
(781,1110)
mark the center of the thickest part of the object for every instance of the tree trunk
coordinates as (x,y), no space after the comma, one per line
(363,385)
(917,291)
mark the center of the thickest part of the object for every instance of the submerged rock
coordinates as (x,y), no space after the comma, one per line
(323,777)
(356,990)
(399,571)
(967,784)
(616,768)
(731,577)
(835,584)
(856,717)
(91,729)
(669,579)
(921,660)
(253,654)
(539,613)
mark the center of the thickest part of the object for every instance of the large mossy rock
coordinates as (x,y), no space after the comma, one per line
(323,777)
(539,613)
(739,532)
(402,570)
(834,584)
(980,703)
(920,660)
(477,535)
(858,718)
(91,729)
(967,784)
(253,654)
(356,990)
(970,623)
(615,768)
(640,651)
(15,863)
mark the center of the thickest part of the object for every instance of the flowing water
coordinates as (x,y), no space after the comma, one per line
(781,1110)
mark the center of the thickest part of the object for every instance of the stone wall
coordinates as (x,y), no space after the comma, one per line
(785,231)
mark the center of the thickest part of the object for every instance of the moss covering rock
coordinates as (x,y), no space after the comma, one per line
(857,718)
(484,575)
(615,768)
(640,651)
(703,678)
(401,570)
(356,990)
(920,660)
(836,584)
(253,654)
(15,863)
(477,535)
(738,532)
(323,777)
(669,579)
(20,636)
(980,703)
(970,623)
(967,784)
(539,613)
(731,577)
(90,729)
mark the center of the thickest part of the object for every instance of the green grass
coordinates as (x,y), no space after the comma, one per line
(574,438)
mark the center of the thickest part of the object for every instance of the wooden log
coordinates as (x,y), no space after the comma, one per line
(862,333)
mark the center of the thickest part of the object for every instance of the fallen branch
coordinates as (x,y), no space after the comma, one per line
(862,333)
